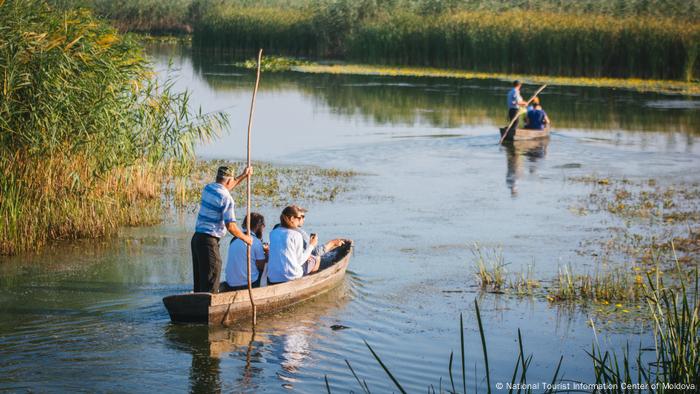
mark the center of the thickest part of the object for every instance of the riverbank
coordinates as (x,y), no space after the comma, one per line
(635,84)
(278,64)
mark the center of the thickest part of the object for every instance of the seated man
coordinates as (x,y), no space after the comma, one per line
(536,117)
(237,261)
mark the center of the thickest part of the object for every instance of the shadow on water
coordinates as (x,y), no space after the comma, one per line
(522,156)
(285,339)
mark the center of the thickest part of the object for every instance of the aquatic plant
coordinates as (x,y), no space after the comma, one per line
(676,325)
(490,268)
(272,185)
(612,285)
(675,366)
(272,64)
(524,283)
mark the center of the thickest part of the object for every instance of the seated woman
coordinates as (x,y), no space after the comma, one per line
(290,255)
(237,260)
(314,262)
(536,117)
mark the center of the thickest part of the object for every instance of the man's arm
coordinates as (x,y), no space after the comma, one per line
(236,232)
(246,172)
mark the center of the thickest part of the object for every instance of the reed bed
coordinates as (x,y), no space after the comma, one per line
(246,29)
(675,363)
(611,285)
(139,16)
(514,41)
(534,43)
(87,135)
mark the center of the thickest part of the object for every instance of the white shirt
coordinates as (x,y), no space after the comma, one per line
(287,255)
(237,262)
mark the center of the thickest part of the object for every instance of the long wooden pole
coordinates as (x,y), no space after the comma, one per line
(503,137)
(248,186)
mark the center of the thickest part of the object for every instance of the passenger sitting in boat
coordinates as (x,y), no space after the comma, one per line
(314,262)
(290,256)
(237,260)
(536,117)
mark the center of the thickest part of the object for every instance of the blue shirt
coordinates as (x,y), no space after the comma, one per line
(215,211)
(535,119)
(514,98)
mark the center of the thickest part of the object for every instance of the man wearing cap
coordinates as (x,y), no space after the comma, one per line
(515,101)
(215,218)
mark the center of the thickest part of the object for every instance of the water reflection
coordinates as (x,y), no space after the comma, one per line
(522,156)
(454,103)
(284,339)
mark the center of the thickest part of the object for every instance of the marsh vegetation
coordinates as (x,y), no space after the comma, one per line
(647,39)
(90,140)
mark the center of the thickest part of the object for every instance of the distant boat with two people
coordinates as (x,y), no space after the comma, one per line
(537,123)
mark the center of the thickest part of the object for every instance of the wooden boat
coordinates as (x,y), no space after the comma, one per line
(228,307)
(525,134)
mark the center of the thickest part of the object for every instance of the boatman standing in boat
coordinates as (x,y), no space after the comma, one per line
(515,102)
(215,218)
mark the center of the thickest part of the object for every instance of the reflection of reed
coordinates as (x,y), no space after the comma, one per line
(452,102)
(517,152)
(288,336)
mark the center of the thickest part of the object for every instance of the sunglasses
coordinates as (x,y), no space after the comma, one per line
(300,217)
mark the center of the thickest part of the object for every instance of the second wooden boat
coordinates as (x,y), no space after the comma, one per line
(228,307)
(525,134)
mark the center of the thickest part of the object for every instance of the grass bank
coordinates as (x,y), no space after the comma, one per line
(634,84)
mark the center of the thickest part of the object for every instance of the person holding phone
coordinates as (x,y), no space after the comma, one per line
(314,262)
(290,254)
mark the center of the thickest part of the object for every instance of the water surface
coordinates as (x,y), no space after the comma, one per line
(87,316)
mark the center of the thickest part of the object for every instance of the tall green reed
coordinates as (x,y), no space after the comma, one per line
(519,377)
(675,362)
(87,134)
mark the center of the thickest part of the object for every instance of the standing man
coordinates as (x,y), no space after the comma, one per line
(515,101)
(215,217)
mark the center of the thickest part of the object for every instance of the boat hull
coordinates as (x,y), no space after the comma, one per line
(228,307)
(525,134)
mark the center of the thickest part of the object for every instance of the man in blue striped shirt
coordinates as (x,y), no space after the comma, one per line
(215,218)
(515,102)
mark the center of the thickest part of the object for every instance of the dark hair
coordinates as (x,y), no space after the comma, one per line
(223,173)
(256,220)
(288,213)
(516,83)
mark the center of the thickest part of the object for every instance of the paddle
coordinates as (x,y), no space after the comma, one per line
(503,137)
(248,185)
